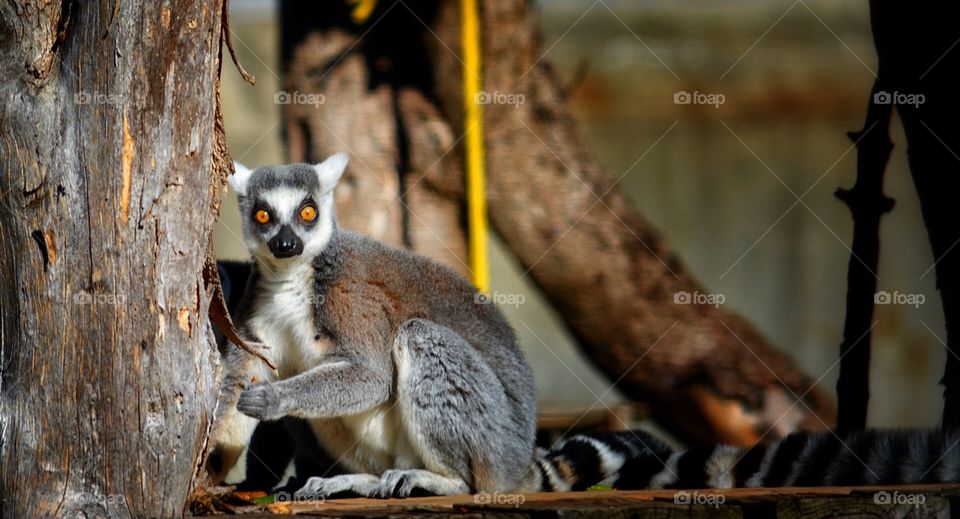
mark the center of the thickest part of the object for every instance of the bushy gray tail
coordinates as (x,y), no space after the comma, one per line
(634,460)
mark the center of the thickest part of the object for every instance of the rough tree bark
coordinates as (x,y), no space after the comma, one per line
(111,161)
(706,373)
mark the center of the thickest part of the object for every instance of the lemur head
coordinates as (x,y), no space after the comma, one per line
(287,211)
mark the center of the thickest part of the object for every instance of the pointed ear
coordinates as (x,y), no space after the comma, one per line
(241,176)
(330,170)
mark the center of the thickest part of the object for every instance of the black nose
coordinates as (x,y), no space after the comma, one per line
(286,243)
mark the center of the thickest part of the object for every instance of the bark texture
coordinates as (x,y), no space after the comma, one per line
(706,373)
(111,159)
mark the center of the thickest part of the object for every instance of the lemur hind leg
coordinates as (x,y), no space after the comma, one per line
(455,412)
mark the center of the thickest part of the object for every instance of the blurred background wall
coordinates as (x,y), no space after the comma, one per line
(720,182)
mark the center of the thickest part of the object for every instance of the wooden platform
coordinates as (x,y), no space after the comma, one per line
(902,501)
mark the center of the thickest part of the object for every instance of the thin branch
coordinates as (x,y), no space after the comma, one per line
(228,36)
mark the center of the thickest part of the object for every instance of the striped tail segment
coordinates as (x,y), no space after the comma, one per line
(637,460)
(874,457)
(622,460)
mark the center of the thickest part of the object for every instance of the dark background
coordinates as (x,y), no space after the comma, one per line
(795,77)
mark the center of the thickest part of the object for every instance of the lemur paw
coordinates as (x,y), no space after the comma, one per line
(318,488)
(261,402)
(394,483)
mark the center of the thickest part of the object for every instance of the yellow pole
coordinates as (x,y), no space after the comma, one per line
(362,10)
(473,128)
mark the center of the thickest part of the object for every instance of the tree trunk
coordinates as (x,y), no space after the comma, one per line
(111,161)
(404,185)
(920,76)
(705,372)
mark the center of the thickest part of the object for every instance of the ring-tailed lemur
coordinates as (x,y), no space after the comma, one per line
(410,384)
(405,376)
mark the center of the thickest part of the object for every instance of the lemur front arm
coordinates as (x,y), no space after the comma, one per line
(339,386)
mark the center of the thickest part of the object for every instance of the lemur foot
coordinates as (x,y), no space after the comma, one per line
(318,488)
(403,483)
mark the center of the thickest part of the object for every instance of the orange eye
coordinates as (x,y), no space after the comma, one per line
(262,216)
(308,213)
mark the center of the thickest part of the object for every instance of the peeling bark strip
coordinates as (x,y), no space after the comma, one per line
(126,156)
(220,315)
(109,145)
(706,373)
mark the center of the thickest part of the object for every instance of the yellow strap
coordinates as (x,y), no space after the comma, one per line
(473,128)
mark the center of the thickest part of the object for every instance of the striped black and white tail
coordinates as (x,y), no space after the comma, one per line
(623,460)
(633,460)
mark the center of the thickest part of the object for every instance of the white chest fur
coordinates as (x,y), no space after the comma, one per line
(372,441)
(284,320)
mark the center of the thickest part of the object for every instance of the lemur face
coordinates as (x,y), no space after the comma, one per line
(287,211)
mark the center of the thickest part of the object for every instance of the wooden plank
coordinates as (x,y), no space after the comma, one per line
(786,502)
(618,417)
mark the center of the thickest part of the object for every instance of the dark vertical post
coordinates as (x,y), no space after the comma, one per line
(867,204)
